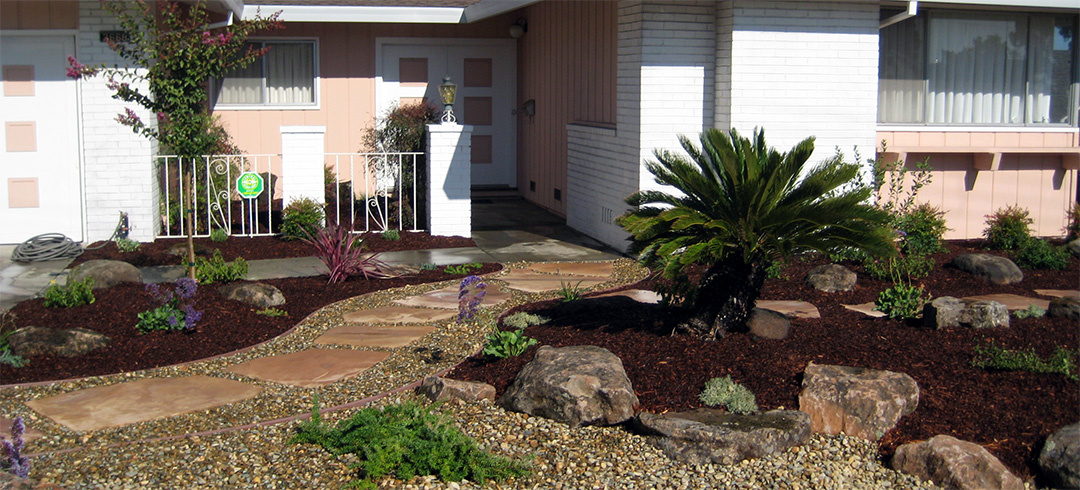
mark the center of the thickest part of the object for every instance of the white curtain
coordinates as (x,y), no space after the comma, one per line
(901,73)
(243,86)
(290,73)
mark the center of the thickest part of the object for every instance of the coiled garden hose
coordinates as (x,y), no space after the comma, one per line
(52,246)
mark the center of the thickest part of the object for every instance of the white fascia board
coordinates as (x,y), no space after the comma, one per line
(330,13)
(1052,4)
(490,8)
(234,6)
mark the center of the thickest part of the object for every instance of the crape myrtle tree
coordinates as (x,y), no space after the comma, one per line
(742,205)
(177,51)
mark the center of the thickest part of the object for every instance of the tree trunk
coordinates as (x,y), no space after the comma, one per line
(726,297)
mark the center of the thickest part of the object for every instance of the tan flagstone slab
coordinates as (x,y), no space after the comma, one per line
(1013,301)
(448,298)
(398,314)
(310,368)
(866,309)
(790,309)
(388,336)
(29,433)
(534,282)
(139,401)
(593,269)
(639,295)
(1059,293)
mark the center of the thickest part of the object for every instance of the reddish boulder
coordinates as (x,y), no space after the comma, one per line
(954,465)
(856,401)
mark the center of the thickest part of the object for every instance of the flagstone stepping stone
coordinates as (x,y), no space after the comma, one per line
(639,295)
(534,282)
(593,269)
(1012,301)
(387,336)
(310,368)
(866,309)
(29,433)
(141,400)
(1059,293)
(398,314)
(790,309)
(448,298)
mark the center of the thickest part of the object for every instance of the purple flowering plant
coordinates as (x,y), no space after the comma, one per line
(471,293)
(13,460)
(176,310)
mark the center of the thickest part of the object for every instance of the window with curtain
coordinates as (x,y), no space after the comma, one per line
(975,68)
(285,76)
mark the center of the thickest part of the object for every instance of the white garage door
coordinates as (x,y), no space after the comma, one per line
(39,171)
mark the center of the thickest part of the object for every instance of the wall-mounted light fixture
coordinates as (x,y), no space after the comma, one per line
(520,27)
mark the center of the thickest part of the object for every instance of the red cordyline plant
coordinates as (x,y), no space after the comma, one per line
(344,255)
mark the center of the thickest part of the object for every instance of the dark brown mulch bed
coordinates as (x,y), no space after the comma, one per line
(226,325)
(1010,413)
(265,247)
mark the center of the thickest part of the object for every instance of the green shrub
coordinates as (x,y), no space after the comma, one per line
(463,269)
(272,312)
(391,235)
(427,266)
(522,319)
(922,227)
(1036,253)
(1072,230)
(503,344)
(903,266)
(219,235)
(992,356)
(7,327)
(849,255)
(176,310)
(215,269)
(126,245)
(300,215)
(776,270)
(901,301)
(1032,311)
(1008,228)
(75,294)
(733,396)
(570,292)
(404,441)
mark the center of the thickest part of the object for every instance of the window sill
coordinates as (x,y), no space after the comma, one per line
(222,107)
(979,129)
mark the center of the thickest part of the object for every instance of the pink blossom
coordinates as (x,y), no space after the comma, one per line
(129,118)
(77,70)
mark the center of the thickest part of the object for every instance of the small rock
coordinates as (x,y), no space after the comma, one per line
(948,311)
(576,385)
(66,342)
(439,389)
(1067,307)
(831,278)
(856,401)
(708,435)
(255,293)
(106,273)
(1059,460)
(954,464)
(769,324)
(181,250)
(997,270)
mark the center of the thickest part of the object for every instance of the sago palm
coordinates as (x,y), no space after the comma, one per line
(740,206)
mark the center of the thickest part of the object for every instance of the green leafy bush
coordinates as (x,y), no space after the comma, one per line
(219,235)
(922,227)
(272,312)
(1032,311)
(176,310)
(992,356)
(1036,253)
(901,301)
(127,245)
(733,396)
(75,294)
(503,344)
(776,270)
(522,319)
(902,266)
(463,269)
(216,269)
(391,235)
(301,218)
(1008,228)
(404,441)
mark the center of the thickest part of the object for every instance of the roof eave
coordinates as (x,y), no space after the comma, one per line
(358,13)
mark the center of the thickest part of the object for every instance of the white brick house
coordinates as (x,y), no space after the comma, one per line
(584,91)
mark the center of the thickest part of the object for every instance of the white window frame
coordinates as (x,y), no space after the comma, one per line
(316,92)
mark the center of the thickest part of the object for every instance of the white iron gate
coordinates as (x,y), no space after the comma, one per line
(376,191)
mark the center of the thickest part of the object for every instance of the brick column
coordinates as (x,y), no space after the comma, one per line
(303,151)
(450,180)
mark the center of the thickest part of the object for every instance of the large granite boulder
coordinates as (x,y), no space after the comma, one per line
(439,389)
(577,385)
(1067,307)
(997,270)
(947,311)
(856,401)
(106,273)
(831,278)
(715,436)
(954,465)
(768,324)
(66,342)
(255,293)
(1059,460)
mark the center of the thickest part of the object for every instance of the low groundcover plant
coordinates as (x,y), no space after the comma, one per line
(176,311)
(77,293)
(733,396)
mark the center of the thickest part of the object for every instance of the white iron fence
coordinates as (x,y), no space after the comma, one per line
(364,191)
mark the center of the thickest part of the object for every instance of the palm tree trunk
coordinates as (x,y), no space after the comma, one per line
(726,297)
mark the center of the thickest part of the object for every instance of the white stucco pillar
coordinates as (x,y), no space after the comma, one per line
(303,153)
(450,176)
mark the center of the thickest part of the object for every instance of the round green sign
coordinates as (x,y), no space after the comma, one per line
(249,185)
